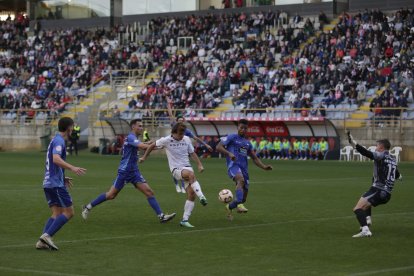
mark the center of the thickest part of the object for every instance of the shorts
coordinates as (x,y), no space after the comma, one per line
(176,173)
(376,196)
(134,177)
(234,170)
(58,196)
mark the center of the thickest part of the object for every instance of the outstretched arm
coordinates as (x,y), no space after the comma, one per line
(359,148)
(259,163)
(57,160)
(220,148)
(169,109)
(197,160)
(147,152)
(210,149)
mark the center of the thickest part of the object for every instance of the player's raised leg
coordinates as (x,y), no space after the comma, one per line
(189,176)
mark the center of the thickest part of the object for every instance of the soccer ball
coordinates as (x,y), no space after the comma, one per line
(225,196)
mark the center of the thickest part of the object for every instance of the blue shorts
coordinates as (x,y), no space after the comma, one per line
(133,177)
(58,196)
(234,170)
(376,196)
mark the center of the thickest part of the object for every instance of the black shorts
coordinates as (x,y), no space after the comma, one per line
(376,196)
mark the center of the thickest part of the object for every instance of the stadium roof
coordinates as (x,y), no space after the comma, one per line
(13,5)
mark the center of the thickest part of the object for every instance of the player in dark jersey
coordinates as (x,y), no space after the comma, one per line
(55,184)
(385,174)
(188,133)
(236,148)
(128,172)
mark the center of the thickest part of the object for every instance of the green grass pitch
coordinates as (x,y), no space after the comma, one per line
(300,222)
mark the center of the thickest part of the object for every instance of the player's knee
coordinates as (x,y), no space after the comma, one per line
(111,196)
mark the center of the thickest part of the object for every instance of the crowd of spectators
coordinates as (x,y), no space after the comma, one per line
(229,52)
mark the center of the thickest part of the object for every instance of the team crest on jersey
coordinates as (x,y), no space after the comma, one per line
(243,150)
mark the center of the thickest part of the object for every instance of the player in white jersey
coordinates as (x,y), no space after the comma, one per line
(178,148)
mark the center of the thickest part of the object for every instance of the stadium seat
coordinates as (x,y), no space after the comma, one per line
(395,151)
(346,153)
(357,155)
(372,148)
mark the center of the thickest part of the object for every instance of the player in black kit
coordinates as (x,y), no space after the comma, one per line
(385,174)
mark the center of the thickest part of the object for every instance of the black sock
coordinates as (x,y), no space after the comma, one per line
(368,212)
(361,217)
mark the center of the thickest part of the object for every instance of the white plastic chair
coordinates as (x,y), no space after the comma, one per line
(356,155)
(372,148)
(395,151)
(346,152)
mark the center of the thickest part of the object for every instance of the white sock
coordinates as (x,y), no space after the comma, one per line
(188,209)
(365,229)
(89,206)
(197,189)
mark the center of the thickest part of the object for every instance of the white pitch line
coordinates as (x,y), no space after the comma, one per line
(402,268)
(203,230)
(23,270)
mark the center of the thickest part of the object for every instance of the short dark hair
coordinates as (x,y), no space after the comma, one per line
(243,121)
(385,143)
(134,121)
(64,123)
(177,127)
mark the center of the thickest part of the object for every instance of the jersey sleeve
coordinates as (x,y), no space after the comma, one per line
(227,140)
(133,141)
(189,133)
(190,146)
(58,146)
(162,142)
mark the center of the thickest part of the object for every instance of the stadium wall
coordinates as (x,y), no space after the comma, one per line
(22,137)
(329,8)
(358,5)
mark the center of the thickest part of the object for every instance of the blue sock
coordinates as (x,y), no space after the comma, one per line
(57,224)
(239,199)
(48,223)
(154,205)
(101,198)
(182,184)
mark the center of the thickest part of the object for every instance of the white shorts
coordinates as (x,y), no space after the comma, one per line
(177,174)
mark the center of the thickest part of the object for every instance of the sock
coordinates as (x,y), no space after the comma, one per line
(101,198)
(361,217)
(197,189)
(175,181)
(368,212)
(188,209)
(182,184)
(154,205)
(48,223)
(239,199)
(57,224)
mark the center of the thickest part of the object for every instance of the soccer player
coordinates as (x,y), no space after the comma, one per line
(55,184)
(178,147)
(236,148)
(128,171)
(285,149)
(315,149)
(385,173)
(188,133)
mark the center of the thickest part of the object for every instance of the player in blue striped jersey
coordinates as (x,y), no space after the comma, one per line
(55,184)
(385,174)
(128,172)
(236,148)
